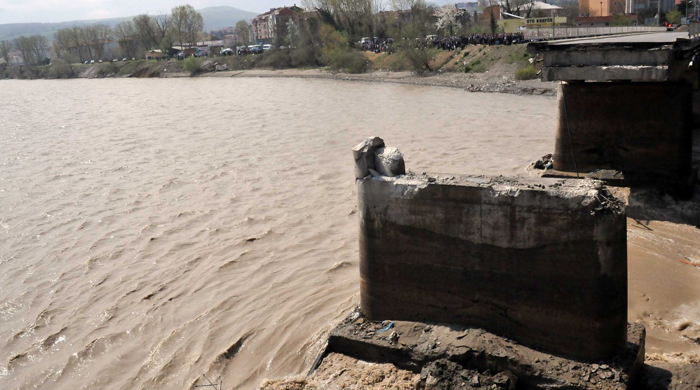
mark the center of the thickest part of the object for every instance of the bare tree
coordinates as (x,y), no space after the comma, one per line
(75,37)
(404,5)
(21,44)
(187,24)
(83,36)
(516,7)
(125,32)
(40,46)
(97,36)
(162,24)
(146,28)
(242,32)
(5,48)
(352,16)
(33,48)
(62,43)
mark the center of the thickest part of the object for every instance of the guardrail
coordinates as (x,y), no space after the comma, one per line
(548,33)
(694,28)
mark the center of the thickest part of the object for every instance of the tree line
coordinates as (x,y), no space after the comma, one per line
(183,25)
(33,49)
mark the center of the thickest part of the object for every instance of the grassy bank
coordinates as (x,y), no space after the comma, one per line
(62,70)
(510,61)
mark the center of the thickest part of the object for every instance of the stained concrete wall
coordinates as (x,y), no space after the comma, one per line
(641,129)
(540,261)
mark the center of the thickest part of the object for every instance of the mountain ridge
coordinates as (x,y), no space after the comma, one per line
(215,18)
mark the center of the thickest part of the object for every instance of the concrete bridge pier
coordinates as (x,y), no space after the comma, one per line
(625,109)
(641,131)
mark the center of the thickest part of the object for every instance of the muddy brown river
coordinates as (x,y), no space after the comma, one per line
(153,231)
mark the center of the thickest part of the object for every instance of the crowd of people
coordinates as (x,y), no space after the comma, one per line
(455,43)
(378,46)
(450,43)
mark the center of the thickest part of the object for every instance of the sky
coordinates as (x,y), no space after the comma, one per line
(51,11)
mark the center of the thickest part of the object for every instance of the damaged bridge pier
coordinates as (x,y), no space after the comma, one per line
(518,271)
(536,260)
(625,108)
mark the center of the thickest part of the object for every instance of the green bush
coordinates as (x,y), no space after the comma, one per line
(244,62)
(60,69)
(192,65)
(526,73)
(475,66)
(128,68)
(106,69)
(347,60)
(305,55)
(277,59)
(418,57)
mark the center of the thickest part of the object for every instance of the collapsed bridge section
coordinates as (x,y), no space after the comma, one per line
(625,108)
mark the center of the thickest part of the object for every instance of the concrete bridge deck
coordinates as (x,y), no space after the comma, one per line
(662,37)
(651,57)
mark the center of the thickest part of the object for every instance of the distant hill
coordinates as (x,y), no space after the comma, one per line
(215,18)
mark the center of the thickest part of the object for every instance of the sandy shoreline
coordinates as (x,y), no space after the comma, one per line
(470,82)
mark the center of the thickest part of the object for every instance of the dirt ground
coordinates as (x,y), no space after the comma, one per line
(343,372)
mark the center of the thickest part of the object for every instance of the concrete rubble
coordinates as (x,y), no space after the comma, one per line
(373,158)
(460,357)
(389,162)
(364,154)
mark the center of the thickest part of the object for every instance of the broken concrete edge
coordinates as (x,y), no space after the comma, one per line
(373,158)
(562,187)
(420,345)
(682,188)
(640,73)
(546,46)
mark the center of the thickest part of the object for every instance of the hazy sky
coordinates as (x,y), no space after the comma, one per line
(24,11)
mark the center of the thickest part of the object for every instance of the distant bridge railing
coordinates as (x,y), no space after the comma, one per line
(548,33)
(694,28)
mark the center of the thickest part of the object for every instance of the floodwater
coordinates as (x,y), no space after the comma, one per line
(154,231)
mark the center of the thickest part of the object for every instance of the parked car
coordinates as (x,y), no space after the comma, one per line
(242,50)
(92,61)
(227,52)
(255,49)
(267,47)
(124,59)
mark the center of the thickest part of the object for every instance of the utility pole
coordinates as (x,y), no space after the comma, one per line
(658,13)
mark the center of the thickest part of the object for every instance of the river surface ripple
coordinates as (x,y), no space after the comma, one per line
(156,230)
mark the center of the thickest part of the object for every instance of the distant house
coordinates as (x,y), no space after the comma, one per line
(272,25)
(211,46)
(155,55)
